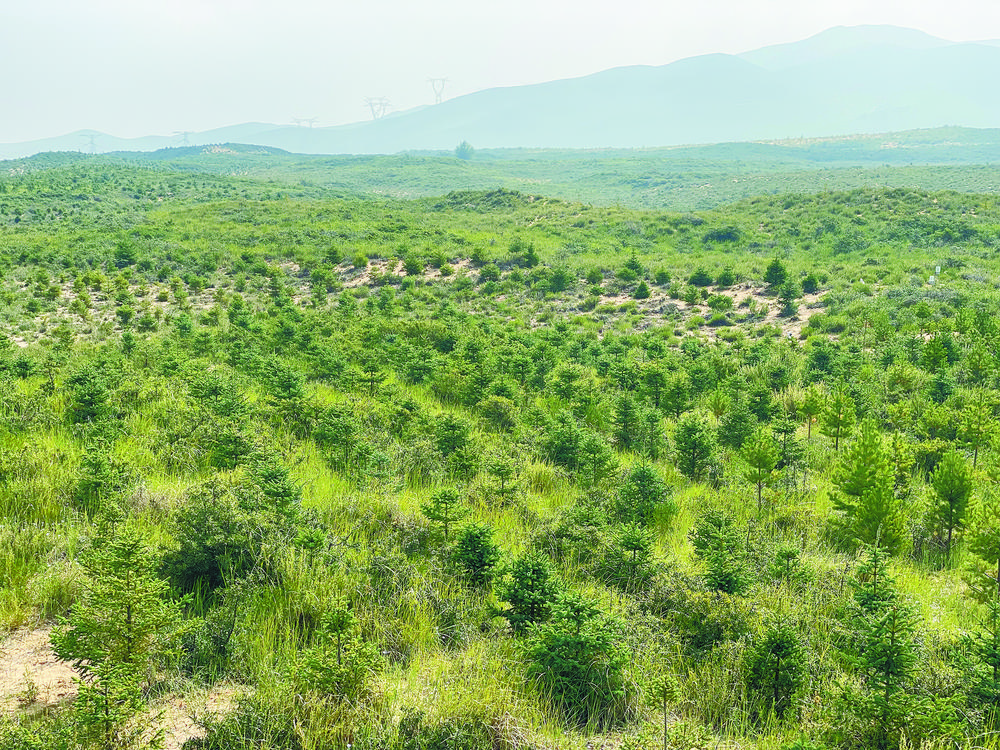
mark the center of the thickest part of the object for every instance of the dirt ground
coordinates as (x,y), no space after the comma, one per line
(30,674)
(741,294)
(178,713)
(32,679)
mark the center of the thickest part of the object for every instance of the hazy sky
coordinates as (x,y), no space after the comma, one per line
(140,67)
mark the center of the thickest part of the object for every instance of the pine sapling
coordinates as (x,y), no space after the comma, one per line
(444,508)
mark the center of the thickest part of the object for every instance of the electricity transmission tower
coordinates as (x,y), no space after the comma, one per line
(378,105)
(91,139)
(185,141)
(438,85)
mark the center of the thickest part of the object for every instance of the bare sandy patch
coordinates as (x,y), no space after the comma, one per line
(33,679)
(178,715)
(30,674)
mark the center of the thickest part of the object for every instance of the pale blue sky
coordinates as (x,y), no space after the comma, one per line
(140,67)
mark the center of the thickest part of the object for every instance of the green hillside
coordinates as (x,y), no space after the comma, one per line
(492,468)
(679,179)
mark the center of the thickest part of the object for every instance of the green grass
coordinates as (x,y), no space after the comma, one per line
(441,348)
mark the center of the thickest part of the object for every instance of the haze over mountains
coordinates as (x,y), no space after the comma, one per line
(864,79)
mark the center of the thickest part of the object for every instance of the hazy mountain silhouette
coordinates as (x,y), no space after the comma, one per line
(863,79)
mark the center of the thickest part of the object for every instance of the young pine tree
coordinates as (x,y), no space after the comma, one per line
(737,424)
(676,394)
(338,431)
(444,508)
(885,627)
(812,407)
(718,543)
(502,468)
(119,626)
(694,443)
(791,452)
(339,664)
(477,554)
(529,591)
(596,459)
(652,440)
(627,563)
(875,589)
(838,417)
(776,274)
(580,662)
(639,495)
(984,543)
(661,691)
(889,662)
(791,290)
(976,427)
(868,510)
(654,382)
(952,483)
(986,670)
(626,422)
(776,667)
(760,454)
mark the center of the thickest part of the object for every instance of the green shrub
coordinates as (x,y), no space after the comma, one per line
(700,277)
(217,537)
(477,554)
(58,732)
(702,619)
(529,590)
(578,661)
(255,722)
(451,733)
(339,664)
(726,278)
(776,667)
(489,272)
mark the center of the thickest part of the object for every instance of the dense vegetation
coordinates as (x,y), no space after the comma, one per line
(497,470)
(678,179)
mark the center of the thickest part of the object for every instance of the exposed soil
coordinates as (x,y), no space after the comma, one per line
(178,714)
(31,677)
(352,277)
(659,303)
(655,309)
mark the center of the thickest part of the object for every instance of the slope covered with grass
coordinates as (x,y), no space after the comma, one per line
(497,470)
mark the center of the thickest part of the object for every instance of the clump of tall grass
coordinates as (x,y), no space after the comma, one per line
(36,565)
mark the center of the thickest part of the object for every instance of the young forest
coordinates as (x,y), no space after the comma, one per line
(287,467)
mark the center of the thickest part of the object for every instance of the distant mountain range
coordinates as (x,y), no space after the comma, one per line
(863,79)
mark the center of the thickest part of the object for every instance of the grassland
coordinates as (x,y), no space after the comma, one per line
(495,468)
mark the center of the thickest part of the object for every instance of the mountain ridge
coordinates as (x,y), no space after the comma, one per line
(862,79)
